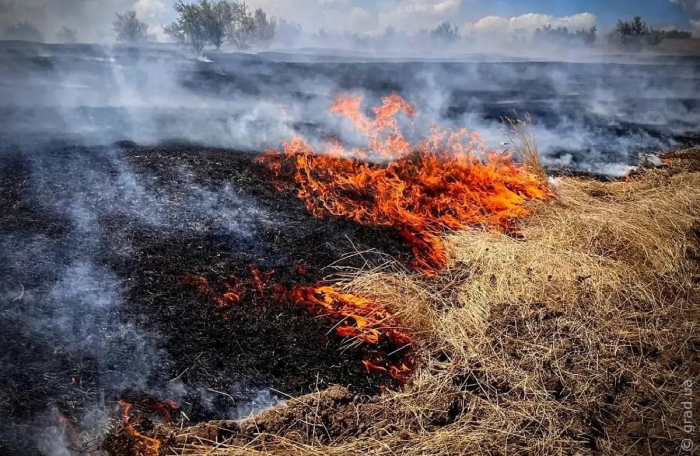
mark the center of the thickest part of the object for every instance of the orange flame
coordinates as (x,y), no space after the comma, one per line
(358,318)
(151,446)
(449,181)
(371,321)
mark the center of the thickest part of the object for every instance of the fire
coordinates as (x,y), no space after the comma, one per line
(449,181)
(361,319)
(151,447)
(356,317)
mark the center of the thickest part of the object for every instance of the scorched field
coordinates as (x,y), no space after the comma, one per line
(295,255)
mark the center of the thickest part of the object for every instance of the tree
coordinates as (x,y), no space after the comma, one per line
(634,34)
(23,31)
(208,22)
(264,29)
(67,35)
(587,37)
(216,18)
(240,29)
(193,24)
(445,32)
(389,33)
(288,32)
(129,29)
(675,34)
(563,35)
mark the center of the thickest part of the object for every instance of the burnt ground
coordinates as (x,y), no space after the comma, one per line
(95,245)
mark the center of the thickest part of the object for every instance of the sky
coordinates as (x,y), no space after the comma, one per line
(92,18)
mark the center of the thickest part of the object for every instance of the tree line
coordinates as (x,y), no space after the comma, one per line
(217,22)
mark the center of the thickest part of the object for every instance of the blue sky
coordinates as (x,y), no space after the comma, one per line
(375,15)
(659,13)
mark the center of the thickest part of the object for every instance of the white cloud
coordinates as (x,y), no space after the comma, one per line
(343,15)
(500,26)
(692,6)
(336,15)
(149,9)
(695,28)
(413,15)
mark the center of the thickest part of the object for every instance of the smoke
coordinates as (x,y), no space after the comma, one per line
(68,343)
(594,112)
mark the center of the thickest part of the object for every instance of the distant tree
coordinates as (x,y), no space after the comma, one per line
(519,35)
(675,34)
(587,37)
(67,35)
(264,29)
(634,34)
(288,32)
(240,29)
(445,32)
(390,38)
(208,22)
(357,40)
(129,29)
(23,31)
(189,29)
(216,17)
(562,35)
(389,33)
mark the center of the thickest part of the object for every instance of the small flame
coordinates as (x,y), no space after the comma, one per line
(371,320)
(449,181)
(358,318)
(151,446)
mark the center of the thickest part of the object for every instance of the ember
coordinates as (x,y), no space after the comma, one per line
(449,181)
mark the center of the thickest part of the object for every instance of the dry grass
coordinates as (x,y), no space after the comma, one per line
(576,338)
(524,143)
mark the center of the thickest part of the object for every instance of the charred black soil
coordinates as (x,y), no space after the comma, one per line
(211,360)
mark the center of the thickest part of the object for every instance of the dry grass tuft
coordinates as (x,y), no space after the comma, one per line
(575,338)
(524,143)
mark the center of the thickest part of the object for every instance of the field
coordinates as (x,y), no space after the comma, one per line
(168,287)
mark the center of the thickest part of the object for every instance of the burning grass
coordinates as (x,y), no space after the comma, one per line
(359,320)
(578,336)
(449,181)
(575,336)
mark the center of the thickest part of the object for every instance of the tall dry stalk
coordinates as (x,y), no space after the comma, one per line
(524,144)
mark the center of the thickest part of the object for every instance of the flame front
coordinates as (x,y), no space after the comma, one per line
(449,181)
